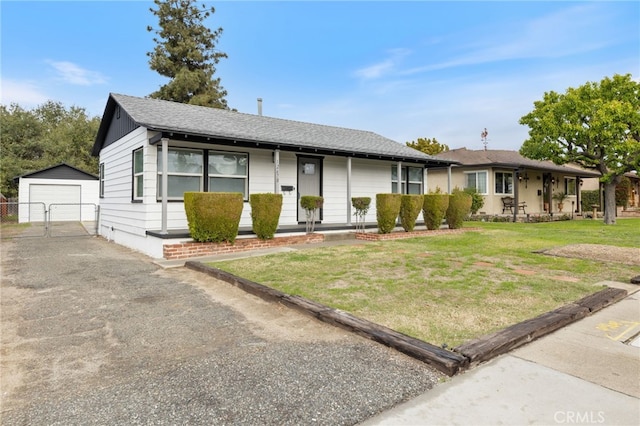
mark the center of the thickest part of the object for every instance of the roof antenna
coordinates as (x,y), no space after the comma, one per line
(484,139)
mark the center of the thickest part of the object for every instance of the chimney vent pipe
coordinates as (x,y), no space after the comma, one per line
(260,106)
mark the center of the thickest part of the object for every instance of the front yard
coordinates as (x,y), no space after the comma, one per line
(447,289)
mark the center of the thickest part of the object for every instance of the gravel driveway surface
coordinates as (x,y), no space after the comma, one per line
(93,333)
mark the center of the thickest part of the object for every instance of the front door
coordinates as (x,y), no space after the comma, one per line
(309,182)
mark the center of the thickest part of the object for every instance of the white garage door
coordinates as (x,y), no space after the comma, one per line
(62,202)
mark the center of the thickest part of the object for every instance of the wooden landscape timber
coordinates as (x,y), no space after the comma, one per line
(449,362)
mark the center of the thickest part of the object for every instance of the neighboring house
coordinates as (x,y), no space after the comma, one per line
(62,191)
(502,174)
(634,192)
(143,143)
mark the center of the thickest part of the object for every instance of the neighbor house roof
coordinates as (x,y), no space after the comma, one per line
(508,159)
(173,118)
(59,171)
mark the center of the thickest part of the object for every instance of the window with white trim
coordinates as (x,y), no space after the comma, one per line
(101,179)
(477,180)
(411,179)
(138,175)
(229,172)
(570,186)
(184,172)
(504,182)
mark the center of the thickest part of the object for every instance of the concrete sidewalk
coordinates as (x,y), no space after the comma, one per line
(585,373)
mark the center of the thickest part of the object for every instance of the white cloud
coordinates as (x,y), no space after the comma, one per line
(24,93)
(384,67)
(563,33)
(74,74)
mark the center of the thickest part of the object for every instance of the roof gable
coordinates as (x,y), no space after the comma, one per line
(59,171)
(174,117)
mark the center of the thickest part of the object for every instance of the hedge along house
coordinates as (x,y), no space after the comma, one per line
(152,151)
(503,174)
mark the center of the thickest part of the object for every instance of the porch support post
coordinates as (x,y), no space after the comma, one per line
(399,175)
(276,171)
(449,179)
(165,184)
(516,190)
(578,190)
(348,190)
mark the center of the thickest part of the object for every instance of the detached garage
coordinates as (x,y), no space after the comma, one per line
(64,192)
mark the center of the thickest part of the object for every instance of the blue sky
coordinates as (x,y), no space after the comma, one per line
(405,70)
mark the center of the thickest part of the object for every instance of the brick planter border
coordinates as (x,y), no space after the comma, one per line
(195,249)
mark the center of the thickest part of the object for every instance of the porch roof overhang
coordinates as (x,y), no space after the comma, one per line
(510,160)
(284,146)
(569,171)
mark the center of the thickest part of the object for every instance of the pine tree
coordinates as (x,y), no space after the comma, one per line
(186,53)
(428,146)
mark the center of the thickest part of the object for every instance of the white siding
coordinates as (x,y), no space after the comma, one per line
(126,222)
(118,213)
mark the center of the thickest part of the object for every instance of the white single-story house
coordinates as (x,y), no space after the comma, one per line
(527,186)
(152,151)
(62,191)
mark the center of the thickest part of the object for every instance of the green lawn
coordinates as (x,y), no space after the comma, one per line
(450,288)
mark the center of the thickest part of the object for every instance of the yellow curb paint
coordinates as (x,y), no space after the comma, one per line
(628,328)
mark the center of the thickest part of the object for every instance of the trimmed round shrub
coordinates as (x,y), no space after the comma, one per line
(459,208)
(265,214)
(311,202)
(361,204)
(387,211)
(213,216)
(410,207)
(434,209)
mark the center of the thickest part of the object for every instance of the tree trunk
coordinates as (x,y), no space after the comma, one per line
(610,203)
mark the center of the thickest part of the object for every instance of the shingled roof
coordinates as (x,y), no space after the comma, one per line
(507,159)
(177,118)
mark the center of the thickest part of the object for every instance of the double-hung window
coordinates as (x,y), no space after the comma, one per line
(101,180)
(138,175)
(411,180)
(184,172)
(570,186)
(477,180)
(229,172)
(504,183)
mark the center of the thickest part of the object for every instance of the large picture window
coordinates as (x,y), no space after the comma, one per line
(411,180)
(184,172)
(138,168)
(229,172)
(477,180)
(504,183)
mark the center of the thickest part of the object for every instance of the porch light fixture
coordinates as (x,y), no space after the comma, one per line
(524,178)
(580,181)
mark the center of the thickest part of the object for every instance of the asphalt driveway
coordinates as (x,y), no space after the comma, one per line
(93,333)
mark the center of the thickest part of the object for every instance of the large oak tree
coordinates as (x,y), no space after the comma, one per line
(596,125)
(186,53)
